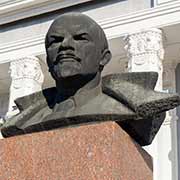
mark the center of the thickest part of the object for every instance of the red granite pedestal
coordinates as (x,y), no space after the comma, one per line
(101,151)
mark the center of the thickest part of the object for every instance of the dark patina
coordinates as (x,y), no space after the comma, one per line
(77,51)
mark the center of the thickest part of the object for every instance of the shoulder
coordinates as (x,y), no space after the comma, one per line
(47,96)
(32,107)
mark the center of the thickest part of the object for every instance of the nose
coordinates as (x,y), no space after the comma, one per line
(67,43)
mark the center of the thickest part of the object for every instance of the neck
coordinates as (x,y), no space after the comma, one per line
(69,86)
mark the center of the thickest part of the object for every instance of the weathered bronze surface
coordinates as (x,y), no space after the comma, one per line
(77,50)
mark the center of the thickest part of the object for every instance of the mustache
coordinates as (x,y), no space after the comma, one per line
(65,55)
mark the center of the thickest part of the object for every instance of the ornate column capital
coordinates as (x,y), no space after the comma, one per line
(148,41)
(145,52)
(26,67)
(145,49)
(27,78)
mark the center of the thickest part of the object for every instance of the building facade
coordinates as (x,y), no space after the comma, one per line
(142,34)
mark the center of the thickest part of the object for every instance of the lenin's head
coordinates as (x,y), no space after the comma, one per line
(76,46)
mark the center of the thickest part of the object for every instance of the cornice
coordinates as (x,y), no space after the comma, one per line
(25,43)
(19,9)
(159,11)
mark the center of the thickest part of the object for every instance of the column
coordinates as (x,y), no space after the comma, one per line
(27,78)
(145,53)
(170,124)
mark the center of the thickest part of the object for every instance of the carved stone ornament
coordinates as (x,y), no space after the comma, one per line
(26,68)
(146,43)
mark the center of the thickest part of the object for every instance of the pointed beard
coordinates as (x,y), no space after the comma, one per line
(66,69)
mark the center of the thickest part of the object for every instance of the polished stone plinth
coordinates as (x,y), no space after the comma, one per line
(101,151)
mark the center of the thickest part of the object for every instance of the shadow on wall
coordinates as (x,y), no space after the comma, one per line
(152,3)
(178,115)
(4,103)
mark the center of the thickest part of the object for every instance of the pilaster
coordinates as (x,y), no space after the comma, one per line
(171,121)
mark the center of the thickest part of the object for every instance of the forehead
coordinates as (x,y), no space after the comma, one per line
(73,24)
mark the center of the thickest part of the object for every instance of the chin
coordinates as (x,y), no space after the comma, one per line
(68,74)
(61,74)
(66,70)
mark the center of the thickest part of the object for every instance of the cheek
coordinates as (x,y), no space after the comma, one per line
(91,61)
(87,50)
(52,53)
(92,53)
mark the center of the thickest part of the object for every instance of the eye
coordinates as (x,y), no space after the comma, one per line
(81,37)
(55,39)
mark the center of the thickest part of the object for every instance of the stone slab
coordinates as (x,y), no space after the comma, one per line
(101,151)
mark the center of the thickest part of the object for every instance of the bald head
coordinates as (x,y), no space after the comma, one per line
(76,44)
(80,21)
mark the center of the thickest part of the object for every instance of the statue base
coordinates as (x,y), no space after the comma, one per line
(99,151)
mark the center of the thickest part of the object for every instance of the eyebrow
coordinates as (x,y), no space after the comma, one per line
(83,33)
(80,33)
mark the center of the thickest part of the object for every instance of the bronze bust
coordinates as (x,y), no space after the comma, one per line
(77,50)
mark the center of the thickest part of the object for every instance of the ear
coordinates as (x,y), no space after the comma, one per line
(105,58)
